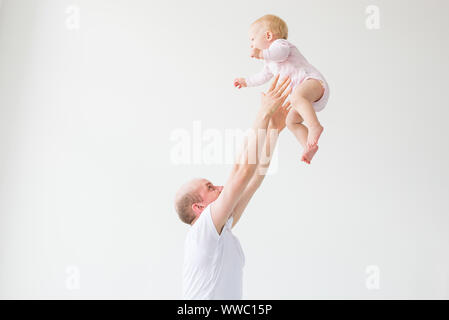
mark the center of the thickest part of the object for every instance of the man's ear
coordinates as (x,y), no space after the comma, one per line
(269,35)
(197,208)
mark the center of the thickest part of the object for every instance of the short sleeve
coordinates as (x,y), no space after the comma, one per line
(205,234)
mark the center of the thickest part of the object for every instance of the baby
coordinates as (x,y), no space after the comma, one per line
(310,91)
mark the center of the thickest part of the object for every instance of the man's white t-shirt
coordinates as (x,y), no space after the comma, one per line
(213,263)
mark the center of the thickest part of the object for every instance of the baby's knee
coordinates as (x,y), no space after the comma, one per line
(298,99)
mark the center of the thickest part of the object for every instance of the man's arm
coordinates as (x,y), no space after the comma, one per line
(277,123)
(244,170)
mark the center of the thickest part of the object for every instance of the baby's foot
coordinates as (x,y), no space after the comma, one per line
(309,153)
(314,135)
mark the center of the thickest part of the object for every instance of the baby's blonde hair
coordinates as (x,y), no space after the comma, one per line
(274,24)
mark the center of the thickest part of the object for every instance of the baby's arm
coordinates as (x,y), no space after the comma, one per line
(259,78)
(255,80)
(277,52)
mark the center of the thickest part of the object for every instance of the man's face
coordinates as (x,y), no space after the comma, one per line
(208,192)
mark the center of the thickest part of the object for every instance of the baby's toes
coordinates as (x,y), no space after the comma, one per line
(304,159)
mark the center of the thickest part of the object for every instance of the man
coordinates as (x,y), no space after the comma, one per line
(214,260)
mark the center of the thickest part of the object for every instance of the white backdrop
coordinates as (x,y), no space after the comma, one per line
(91,93)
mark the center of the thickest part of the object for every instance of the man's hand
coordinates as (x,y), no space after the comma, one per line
(275,96)
(277,120)
(240,83)
(256,53)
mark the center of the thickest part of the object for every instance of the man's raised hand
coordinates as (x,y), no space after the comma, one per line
(275,96)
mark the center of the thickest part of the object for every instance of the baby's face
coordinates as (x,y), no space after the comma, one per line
(257,37)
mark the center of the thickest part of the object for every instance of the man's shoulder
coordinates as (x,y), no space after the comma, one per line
(205,225)
(202,224)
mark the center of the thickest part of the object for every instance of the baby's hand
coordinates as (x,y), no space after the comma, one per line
(240,83)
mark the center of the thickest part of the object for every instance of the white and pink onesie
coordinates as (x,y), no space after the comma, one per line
(284,58)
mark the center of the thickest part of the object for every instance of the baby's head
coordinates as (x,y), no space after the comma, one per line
(265,30)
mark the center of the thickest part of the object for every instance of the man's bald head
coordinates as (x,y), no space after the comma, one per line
(186,196)
(193,197)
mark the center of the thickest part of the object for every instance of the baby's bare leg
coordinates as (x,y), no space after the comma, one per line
(302,98)
(294,124)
